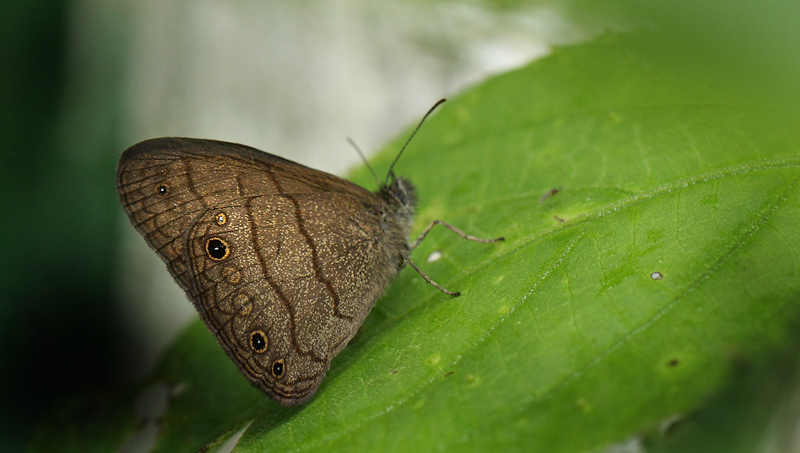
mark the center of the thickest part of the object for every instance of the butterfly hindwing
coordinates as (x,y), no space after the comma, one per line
(282,262)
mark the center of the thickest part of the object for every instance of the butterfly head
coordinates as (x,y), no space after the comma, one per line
(401,192)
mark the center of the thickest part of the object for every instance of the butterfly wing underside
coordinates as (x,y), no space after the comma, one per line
(282,262)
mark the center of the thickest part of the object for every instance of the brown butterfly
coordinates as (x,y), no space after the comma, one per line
(282,262)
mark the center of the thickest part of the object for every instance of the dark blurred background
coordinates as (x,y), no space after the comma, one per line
(57,328)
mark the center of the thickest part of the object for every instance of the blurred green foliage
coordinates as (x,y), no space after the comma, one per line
(56,317)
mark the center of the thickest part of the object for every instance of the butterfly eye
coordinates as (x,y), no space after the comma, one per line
(162,190)
(217,249)
(221,219)
(258,341)
(277,368)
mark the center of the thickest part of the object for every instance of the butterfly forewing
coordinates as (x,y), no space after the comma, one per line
(282,262)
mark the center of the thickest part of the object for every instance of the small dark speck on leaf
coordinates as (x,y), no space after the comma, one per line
(549,194)
(448,373)
(673,362)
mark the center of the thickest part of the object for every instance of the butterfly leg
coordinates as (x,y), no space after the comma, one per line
(453,229)
(407,259)
(425,232)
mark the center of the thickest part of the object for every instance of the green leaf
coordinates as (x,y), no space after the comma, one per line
(756,412)
(614,304)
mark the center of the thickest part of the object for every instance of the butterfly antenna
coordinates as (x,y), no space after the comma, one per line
(390,173)
(364,159)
